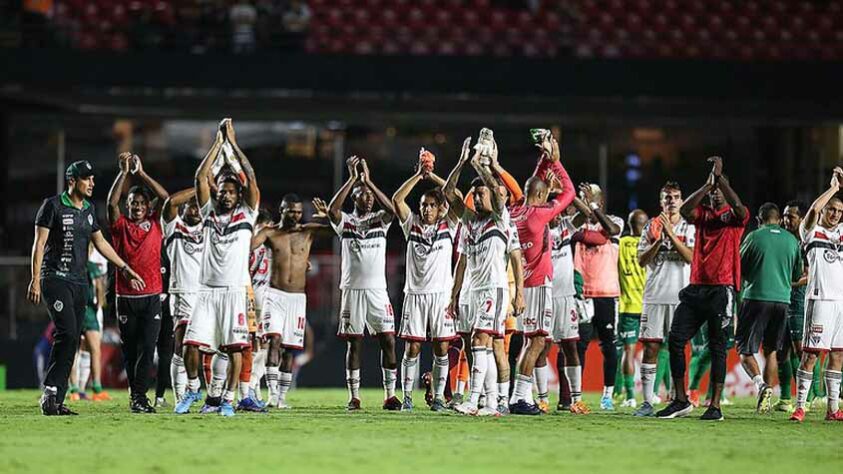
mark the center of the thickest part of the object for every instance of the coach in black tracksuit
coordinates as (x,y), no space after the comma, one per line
(64,227)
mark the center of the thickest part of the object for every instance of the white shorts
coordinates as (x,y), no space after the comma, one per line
(823,326)
(538,313)
(218,320)
(565,324)
(181,307)
(284,315)
(366,310)
(656,319)
(487,310)
(260,296)
(425,317)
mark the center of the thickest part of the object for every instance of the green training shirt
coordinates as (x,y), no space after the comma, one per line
(770,262)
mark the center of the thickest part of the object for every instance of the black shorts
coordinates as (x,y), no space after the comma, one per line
(761,323)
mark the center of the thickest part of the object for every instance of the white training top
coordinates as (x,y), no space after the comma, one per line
(825,262)
(562,256)
(363,250)
(430,249)
(260,267)
(668,273)
(486,243)
(225,261)
(184,245)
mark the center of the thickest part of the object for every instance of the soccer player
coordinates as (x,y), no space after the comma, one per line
(484,243)
(260,270)
(715,277)
(284,307)
(184,243)
(89,361)
(64,226)
(427,285)
(632,278)
(665,250)
(596,258)
(137,238)
(218,320)
(365,303)
(770,262)
(531,216)
(822,234)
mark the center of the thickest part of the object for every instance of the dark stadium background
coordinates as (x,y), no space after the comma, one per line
(638,91)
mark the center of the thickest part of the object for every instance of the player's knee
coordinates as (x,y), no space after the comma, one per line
(413,348)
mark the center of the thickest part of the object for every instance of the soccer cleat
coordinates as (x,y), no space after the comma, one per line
(282,405)
(427,381)
(49,405)
(644,410)
(438,406)
(74,397)
(524,408)
(629,403)
(140,404)
(562,406)
(83,396)
(64,411)
(657,400)
(783,405)
(408,404)
(836,416)
(694,398)
(353,404)
(488,411)
(712,414)
(482,401)
(272,401)
(209,408)
(764,403)
(466,408)
(798,415)
(189,398)
(101,397)
(580,408)
(392,404)
(503,405)
(225,408)
(606,403)
(676,409)
(543,406)
(161,402)
(456,399)
(249,404)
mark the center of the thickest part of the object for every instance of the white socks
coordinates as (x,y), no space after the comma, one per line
(243,390)
(409,372)
(219,373)
(84,369)
(440,376)
(503,390)
(193,384)
(352,381)
(758,380)
(523,389)
(389,378)
(272,376)
(178,376)
(608,390)
(541,375)
(574,375)
(491,380)
(285,381)
(258,371)
(648,381)
(478,373)
(832,387)
(803,385)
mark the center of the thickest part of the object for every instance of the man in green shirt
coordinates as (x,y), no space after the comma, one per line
(770,262)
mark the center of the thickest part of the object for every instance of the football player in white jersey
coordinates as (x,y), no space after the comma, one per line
(484,243)
(822,236)
(666,249)
(218,320)
(184,242)
(284,314)
(427,285)
(365,303)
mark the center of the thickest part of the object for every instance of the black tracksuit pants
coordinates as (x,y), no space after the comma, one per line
(604,323)
(66,303)
(140,322)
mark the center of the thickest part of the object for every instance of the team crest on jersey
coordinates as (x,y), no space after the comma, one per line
(241,319)
(145,225)
(726,216)
(90,219)
(58,306)
(830,256)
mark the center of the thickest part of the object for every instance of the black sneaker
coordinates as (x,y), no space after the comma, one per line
(563,406)
(64,411)
(524,408)
(140,404)
(49,405)
(676,409)
(712,414)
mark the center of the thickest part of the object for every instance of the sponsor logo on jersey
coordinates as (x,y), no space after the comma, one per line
(816,329)
(67,221)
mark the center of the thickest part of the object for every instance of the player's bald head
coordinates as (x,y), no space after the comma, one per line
(535,186)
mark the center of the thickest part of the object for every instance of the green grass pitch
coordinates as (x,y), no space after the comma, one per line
(318,435)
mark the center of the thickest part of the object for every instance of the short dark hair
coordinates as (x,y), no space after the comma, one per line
(357,185)
(290,198)
(263,216)
(769,211)
(229,178)
(798,205)
(138,189)
(670,186)
(436,195)
(478,182)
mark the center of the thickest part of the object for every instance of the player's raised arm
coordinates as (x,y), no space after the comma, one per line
(384,201)
(692,202)
(731,196)
(203,176)
(175,201)
(260,237)
(399,199)
(118,188)
(253,194)
(455,202)
(608,226)
(335,208)
(161,194)
(485,173)
(812,216)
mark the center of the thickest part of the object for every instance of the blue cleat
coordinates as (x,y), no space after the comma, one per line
(524,408)
(225,408)
(207,409)
(607,404)
(250,404)
(189,398)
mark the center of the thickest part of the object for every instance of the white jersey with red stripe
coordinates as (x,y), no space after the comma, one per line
(562,256)
(260,267)
(823,249)
(184,245)
(430,249)
(668,273)
(363,250)
(225,260)
(486,243)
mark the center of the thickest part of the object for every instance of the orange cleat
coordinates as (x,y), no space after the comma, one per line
(798,415)
(74,397)
(543,406)
(580,408)
(836,416)
(694,398)
(101,397)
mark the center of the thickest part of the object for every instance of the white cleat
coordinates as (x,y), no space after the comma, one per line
(631,403)
(466,408)
(657,400)
(488,411)
(273,401)
(282,405)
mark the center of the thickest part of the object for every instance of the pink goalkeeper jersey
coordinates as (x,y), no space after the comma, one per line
(532,221)
(598,264)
